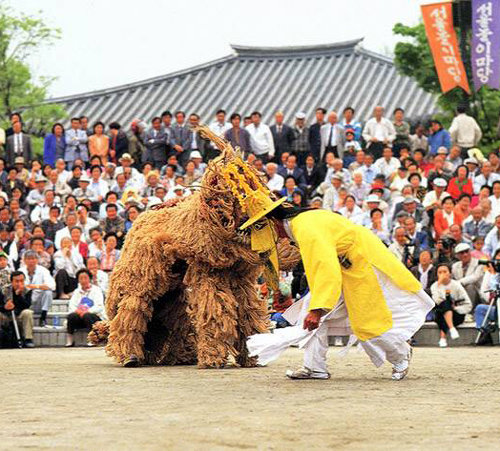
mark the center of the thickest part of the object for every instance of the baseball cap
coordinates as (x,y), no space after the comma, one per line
(440,182)
(462,247)
(373,198)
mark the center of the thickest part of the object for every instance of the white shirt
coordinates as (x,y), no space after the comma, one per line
(18,143)
(495,204)
(71,264)
(94,296)
(261,139)
(219,129)
(41,276)
(387,168)
(100,187)
(464,131)
(63,233)
(383,130)
(276,182)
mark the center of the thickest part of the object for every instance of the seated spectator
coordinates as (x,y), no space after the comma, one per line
(113,223)
(4,270)
(350,210)
(275,181)
(377,225)
(475,225)
(456,232)
(445,217)
(84,191)
(111,198)
(53,224)
(460,183)
(40,282)
(37,244)
(489,289)
(358,162)
(110,255)
(405,251)
(495,198)
(86,306)
(425,271)
(358,188)
(282,299)
(42,211)
(387,165)
(74,181)
(85,221)
(8,246)
(78,241)
(420,238)
(98,277)
(452,304)
(17,298)
(477,251)
(96,246)
(36,196)
(71,221)
(332,192)
(468,272)
(67,262)
(486,178)
(131,215)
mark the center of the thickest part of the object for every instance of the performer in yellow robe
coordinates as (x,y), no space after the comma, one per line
(352,276)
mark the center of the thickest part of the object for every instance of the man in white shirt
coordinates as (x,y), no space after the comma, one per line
(219,126)
(432,200)
(486,178)
(492,240)
(378,132)
(468,271)
(275,181)
(495,198)
(261,138)
(41,212)
(39,280)
(71,221)
(387,165)
(464,131)
(36,196)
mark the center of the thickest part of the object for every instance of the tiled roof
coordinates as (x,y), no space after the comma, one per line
(267,79)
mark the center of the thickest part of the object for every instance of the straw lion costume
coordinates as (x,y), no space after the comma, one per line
(183,291)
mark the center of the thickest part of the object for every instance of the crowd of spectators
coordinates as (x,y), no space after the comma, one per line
(428,193)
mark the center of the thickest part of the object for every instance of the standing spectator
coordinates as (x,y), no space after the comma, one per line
(13,118)
(76,144)
(315,133)
(464,131)
(54,145)
(118,143)
(332,138)
(283,135)
(402,129)
(197,143)
(40,282)
(418,140)
(300,143)
(99,143)
(84,125)
(378,133)
(452,304)
(237,136)
(219,127)
(261,138)
(86,306)
(18,145)
(136,142)
(460,183)
(349,123)
(468,272)
(15,297)
(438,137)
(67,262)
(180,137)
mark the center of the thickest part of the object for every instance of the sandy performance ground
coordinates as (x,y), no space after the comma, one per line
(78,399)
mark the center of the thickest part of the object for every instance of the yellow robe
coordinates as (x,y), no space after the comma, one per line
(322,237)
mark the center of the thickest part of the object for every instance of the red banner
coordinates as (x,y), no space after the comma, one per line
(438,21)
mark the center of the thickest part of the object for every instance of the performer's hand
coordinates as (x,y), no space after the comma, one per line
(311,321)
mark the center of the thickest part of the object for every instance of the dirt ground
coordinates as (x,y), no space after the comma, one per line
(78,399)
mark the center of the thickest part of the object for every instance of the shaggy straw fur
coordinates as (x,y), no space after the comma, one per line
(183,290)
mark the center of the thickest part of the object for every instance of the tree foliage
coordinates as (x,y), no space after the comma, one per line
(21,37)
(413,58)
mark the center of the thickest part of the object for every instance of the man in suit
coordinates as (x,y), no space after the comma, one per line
(18,145)
(76,143)
(156,144)
(292,169)
(476,225)
(332,137)
(420,238)
(315,133)
(425,272)
(180,137)
(282,135)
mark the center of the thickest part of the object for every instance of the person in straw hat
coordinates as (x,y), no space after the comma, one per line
(355,283)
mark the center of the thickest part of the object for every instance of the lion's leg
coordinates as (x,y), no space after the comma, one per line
(252,313)
(213,312)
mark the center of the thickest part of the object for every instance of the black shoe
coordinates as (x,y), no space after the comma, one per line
(485,340)
(29,344)
(132,362)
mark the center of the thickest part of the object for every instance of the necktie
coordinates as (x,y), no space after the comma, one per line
(330,136)
(476,229)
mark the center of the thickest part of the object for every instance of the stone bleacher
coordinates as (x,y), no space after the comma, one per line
(55,336)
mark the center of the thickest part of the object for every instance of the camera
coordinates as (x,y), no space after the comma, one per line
(448,243)
(495,264)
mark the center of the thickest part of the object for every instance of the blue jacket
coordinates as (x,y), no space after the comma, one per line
(49,149)
(439,139)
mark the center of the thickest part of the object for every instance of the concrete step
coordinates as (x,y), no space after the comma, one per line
(59,306)
(55,336)
(53,318)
